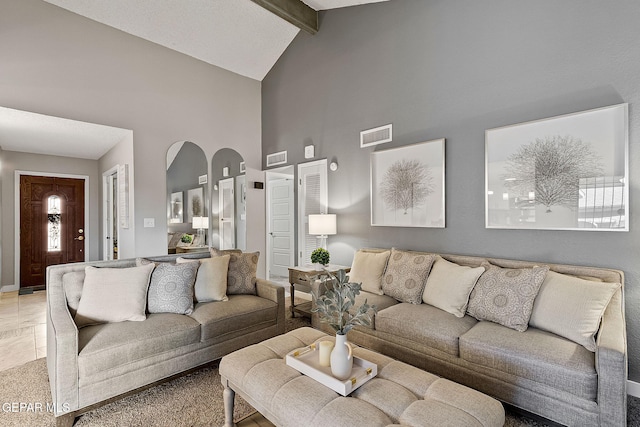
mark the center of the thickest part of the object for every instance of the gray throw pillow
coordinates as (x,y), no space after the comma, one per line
(506,295)
(243,270)
(406,275)
(171,288)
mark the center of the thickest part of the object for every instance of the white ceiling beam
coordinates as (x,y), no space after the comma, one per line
(294,12)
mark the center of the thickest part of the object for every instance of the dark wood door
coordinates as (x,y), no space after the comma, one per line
(51,225)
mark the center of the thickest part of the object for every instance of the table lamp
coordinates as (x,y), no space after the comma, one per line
(322,226)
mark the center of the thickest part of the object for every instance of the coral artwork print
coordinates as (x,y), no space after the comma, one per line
(552,168)
(406,185)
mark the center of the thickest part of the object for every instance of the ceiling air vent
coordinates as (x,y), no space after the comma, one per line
(279,158)
(376,136)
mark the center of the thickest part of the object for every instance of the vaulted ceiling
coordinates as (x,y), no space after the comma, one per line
(243,36)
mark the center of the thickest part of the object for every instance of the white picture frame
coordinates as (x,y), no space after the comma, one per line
(421,203)
(568,172)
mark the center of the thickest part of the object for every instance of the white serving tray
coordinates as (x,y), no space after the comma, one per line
(307,361)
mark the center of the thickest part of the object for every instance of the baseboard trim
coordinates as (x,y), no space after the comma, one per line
(9,288)
(633,388)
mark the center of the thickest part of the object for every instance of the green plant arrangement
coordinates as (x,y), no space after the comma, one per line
(333,306)
(187,238)
(320,256)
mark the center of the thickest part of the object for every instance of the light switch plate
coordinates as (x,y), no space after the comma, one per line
(149,222)
(309,152)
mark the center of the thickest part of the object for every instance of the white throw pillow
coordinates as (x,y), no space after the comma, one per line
(449,286)
(571,307)
(368,269)
(211,279)
(113,295)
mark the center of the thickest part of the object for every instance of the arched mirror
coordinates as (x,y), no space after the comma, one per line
(187,198)
(228,200)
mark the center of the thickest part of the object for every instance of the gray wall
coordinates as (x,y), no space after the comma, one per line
(452,69)
(58,63)
(12,161)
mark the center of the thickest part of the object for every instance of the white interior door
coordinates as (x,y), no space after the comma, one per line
(313,198)
(281,225)
(227,214)
(241,212)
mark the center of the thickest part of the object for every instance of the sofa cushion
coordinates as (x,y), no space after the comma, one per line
(506,295)
(170,288)
(113,295)
(406,275)
(424,324)
(449,285)
(571,307)
(242,273)
(380,301)
(211,278)
(536,355)
(222,320)
(368,268)
(108,346)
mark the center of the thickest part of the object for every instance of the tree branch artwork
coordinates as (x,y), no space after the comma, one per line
(552,167)
(406,185)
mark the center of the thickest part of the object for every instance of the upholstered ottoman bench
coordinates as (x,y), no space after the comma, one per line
(399,395)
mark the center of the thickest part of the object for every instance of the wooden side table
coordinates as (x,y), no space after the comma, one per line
(300,278)
(191,249)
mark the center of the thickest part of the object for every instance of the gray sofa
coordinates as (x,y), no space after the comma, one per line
(536,371)
(94,365)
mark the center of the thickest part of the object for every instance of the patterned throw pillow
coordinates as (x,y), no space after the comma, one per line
(171,287)
(243,270)
(506,295)
(406,275)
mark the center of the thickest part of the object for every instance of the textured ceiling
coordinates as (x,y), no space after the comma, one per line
(37,133)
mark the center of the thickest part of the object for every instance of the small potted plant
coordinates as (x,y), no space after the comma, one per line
(333,307)
(320,257)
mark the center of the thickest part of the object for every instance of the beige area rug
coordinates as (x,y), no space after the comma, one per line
(192,400)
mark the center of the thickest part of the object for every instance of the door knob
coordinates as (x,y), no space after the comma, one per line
(79,238)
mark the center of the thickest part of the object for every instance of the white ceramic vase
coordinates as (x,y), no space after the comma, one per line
(341,358)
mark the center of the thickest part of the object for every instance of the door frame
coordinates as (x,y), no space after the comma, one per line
(281,172)
(16,214)
(107,246)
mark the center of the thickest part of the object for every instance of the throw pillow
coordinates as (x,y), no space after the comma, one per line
(368,268)
(406,275)
(113,295)
(572,307)
(449,286)
(243,269)
(506,295)
(211,279)
(171,287)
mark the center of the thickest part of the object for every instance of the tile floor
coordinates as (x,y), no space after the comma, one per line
(23,328)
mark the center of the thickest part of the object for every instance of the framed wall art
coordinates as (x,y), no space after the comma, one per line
(176,208)
(563,173)
(195,203)
(407,186)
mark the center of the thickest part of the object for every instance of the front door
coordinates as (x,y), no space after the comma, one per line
(51,225)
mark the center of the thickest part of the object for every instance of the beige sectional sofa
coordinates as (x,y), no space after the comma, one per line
(92,362)
(549,339)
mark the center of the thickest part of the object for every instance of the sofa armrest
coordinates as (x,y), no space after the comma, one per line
(271,291)
(611,364)
(62,344)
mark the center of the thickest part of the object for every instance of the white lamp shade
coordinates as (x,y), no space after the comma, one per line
(322,224)
(200,222)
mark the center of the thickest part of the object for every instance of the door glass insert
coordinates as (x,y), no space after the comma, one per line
(53,223)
